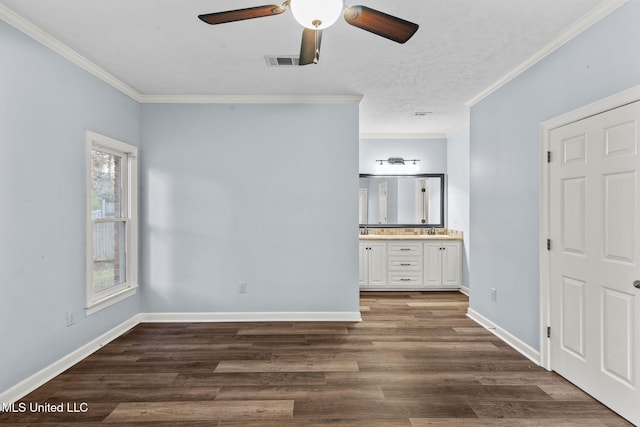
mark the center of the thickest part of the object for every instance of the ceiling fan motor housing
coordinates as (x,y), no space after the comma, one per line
(316,14)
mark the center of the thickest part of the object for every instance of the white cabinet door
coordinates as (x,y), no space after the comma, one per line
(451,264)
(373,264)
(432,264)
(377,264)
(364,264)
(443,264)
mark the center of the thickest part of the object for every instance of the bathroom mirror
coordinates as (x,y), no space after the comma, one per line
(396,201)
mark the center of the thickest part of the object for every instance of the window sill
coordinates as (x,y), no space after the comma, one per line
(108,301)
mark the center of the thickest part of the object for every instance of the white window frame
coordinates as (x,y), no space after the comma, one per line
(96,301)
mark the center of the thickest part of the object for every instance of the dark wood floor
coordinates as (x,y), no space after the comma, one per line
(416,360)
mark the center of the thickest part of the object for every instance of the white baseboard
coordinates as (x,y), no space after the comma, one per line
(26,386)
(320,316)
(464,290)
(520,346)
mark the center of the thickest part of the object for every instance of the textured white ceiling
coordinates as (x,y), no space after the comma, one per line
(159,47)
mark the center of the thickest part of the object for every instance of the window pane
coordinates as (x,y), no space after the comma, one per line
(108,255)
(106,185)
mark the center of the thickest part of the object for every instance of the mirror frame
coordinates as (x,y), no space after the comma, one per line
(419,175)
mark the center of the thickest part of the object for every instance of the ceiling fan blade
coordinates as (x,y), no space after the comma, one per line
(380,23)
(242,14)
(310,49)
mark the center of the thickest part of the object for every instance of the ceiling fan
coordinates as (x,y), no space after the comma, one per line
(315,15)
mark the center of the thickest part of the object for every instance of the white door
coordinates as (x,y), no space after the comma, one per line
(422,201)
(594,259)
(363,206)
(382,203)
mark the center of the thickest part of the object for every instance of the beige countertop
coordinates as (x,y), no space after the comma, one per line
(408,237)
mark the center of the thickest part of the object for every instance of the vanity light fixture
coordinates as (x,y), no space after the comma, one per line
(397,161)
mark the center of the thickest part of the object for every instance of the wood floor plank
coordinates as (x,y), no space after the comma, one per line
(286,366)
(250,378)
(446,346)
(205,410)
(537,409)
(112,394)
(319,422)
(509,422)
(300,392)
(467,391)
(415,360)
(380,409)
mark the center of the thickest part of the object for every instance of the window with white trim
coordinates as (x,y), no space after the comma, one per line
(112,222)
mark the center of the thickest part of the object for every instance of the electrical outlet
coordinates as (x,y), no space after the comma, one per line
(71,318)
(494,294)
(242,287)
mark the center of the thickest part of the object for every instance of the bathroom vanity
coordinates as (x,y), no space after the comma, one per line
(410,262)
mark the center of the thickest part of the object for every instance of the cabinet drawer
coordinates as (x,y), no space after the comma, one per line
(412,280)
(405,264)
(405,248)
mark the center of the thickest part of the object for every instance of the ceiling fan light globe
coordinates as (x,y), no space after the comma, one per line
(309,12)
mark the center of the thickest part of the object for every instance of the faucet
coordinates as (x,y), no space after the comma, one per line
(432,231)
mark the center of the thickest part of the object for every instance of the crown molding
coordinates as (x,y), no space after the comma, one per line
(41,36)
(578,27)
(403,136)
(17,21)
(251,99)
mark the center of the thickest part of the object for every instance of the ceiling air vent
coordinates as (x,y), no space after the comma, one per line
(282,60)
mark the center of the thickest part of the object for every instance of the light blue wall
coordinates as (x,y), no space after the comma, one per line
(258,193)
(262,194)
(458,183)
(505,162)
(46,104)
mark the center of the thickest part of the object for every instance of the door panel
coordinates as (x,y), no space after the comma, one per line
(617,325)
(574,149)
(619,219)
(573,316)
(621,139)
(573,215)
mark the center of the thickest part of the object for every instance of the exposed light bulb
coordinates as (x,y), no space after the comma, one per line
(316,14)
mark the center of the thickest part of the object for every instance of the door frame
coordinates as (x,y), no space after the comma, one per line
(609,103)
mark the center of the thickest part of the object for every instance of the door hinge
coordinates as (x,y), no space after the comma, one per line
(424,190)
(548,244)
(548,331)
(548,156)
